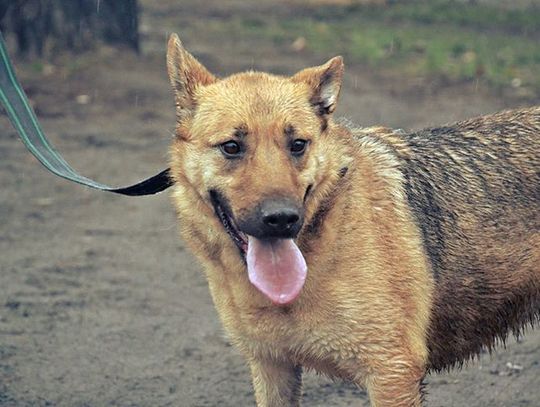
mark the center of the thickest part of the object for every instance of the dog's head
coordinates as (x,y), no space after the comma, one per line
(256,148)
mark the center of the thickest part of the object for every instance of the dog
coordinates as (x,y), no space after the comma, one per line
(369,255)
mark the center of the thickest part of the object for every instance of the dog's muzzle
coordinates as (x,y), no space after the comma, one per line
(273,218)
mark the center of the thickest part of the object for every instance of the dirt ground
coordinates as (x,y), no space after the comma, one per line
(101,305)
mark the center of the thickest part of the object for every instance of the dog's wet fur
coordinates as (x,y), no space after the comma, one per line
(422,249)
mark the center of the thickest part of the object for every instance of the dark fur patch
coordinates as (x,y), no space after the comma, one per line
(313,228)
(321,111)
(241,131)
(290,131)
(474,191)
(308,190)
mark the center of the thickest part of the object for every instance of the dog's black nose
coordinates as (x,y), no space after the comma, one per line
(279,218)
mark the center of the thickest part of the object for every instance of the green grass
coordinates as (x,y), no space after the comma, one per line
(448,12)
(440,38)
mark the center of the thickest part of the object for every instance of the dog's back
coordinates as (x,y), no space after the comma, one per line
(474,189)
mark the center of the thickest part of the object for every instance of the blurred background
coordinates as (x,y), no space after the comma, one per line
(100,304)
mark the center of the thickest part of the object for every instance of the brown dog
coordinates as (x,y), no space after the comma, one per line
(365,254)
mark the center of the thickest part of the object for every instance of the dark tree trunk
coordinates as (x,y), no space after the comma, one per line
(40,25)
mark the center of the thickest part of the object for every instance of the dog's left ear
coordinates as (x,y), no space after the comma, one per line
(325,84)
(186,74)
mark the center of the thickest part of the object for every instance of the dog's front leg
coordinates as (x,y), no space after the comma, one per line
(397,385)
(277,384)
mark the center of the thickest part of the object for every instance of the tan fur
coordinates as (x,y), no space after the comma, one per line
(365,310)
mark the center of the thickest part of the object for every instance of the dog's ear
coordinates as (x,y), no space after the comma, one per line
(186,75)
(325,84)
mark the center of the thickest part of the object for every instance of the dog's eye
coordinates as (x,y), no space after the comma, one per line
(231,149)
(298,147)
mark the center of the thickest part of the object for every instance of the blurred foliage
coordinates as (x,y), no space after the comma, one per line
(452,40)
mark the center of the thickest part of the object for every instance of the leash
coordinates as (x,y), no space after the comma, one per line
(25,122)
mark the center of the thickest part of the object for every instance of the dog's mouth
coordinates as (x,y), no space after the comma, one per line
(224,214)
(276,267)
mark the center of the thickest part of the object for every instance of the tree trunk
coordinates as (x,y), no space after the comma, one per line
(50,25)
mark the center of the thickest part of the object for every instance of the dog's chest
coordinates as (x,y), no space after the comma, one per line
(307,337)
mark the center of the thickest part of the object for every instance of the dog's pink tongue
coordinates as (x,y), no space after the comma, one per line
(277,268)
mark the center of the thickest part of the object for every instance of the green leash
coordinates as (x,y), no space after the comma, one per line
(25,122)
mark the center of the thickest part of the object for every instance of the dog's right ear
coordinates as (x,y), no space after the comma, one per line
(186,74)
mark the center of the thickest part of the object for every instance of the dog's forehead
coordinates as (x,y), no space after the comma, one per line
(254,95)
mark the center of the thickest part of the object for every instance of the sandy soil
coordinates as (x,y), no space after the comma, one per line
(101,305)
